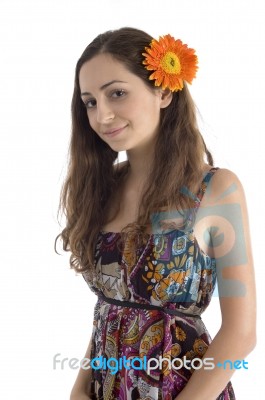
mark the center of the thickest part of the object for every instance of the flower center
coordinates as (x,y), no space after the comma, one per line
(170,63)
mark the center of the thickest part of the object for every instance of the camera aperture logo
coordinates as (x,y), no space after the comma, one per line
(137,363)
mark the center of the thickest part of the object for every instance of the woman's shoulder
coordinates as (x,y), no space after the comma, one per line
(225,187)
(225,178)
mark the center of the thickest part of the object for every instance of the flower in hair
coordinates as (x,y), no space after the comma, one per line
(172,62)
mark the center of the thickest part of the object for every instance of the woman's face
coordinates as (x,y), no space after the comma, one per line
(121,109)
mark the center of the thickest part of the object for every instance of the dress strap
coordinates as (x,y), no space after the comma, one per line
(206,178)
(204,183)
(198,197)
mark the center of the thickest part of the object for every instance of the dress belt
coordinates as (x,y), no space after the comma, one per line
(125,303)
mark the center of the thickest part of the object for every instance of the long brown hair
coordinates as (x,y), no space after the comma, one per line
(90,183)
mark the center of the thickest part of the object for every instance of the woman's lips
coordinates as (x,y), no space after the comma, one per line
(114,132)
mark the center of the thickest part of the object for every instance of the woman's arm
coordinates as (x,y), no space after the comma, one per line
(83,380)
(236,286)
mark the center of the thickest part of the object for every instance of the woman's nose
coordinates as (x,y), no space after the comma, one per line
(104,112)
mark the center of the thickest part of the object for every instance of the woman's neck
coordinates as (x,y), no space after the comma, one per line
(140,165)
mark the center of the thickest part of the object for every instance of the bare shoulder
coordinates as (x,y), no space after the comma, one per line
(232,250)
(225,186)
(228,209)
(225,174)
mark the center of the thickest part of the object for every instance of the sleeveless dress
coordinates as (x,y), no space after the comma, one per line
(171,271)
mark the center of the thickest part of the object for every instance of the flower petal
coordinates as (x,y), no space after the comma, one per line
(172,61)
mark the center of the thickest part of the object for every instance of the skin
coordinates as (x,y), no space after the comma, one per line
(236,337)
(129,104)
(136,108)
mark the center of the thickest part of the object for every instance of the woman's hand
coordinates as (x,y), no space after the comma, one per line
(81,389)
(81,396)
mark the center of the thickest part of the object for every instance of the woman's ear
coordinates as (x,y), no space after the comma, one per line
(166,97)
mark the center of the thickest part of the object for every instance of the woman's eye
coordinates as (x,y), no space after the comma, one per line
(118,93)
(90,103)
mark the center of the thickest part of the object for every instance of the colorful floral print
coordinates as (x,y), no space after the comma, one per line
(170,271)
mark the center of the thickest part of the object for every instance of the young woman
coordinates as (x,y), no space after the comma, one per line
(153,235)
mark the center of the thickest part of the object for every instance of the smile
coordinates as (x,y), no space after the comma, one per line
(115,131)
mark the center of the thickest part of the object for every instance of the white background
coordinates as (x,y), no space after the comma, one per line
(45,307)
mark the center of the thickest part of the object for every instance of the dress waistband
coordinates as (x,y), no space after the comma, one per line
(125,303)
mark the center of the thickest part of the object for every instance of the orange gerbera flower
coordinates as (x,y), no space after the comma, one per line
(172,62)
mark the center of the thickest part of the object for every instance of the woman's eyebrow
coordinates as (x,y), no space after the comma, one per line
(103,87)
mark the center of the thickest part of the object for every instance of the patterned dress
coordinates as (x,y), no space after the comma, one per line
(171,271)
